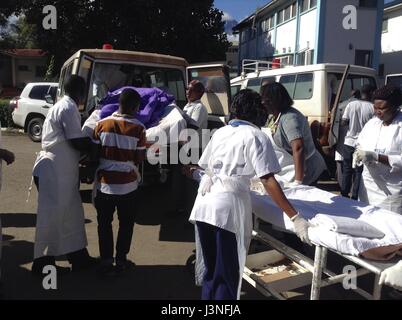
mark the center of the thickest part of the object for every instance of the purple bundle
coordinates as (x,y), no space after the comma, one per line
(153,104)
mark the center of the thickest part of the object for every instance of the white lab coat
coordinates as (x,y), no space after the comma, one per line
(60,224)
(234,155)
(381,185)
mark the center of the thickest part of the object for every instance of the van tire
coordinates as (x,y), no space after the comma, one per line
(34,129)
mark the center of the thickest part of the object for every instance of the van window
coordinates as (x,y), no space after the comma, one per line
(110,77)
(288,82)
(254,84)
(65,75)
(234,90)
(353,82)
(85,71)
(39,92)
(175,85)
(304,86)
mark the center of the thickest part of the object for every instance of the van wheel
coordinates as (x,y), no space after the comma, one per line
(34,129)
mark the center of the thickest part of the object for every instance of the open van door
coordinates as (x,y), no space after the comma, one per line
(216,79)
(335,116)
(84,69)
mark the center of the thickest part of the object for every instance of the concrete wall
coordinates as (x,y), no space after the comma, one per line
(340,45)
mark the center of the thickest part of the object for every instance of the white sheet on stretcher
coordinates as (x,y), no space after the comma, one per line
(311,201)
(171,124)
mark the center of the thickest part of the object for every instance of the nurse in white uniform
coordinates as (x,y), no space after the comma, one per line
(60,223)
(222,211)
(380,150)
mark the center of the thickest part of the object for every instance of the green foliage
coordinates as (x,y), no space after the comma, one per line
(190,29)
(5,114)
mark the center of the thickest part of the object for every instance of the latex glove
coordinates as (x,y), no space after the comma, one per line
(301,228)
(392,276)
(365,156)
(295,184)
(355,162)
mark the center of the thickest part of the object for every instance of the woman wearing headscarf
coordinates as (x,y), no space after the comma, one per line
(291,133)
(379,149)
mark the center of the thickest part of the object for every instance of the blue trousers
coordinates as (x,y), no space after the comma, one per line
(219,249)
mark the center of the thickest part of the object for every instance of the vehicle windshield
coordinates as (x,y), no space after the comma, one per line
(395,80)
(107,77)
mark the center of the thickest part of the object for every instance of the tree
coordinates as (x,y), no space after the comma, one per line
(191,29)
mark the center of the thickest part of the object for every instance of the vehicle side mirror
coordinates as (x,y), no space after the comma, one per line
(49,99)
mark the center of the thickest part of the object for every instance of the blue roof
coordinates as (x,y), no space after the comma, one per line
(390,3)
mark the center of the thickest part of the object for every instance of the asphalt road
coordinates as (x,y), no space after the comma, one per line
(160,249)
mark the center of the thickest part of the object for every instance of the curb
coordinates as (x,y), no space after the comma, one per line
(13,131)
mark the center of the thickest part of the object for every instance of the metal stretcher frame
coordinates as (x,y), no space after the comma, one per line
(318,267)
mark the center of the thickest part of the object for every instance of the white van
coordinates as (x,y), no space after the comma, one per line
(395,79)
(105,70)
(314,88)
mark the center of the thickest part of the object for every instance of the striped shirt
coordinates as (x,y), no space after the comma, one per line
(120,136)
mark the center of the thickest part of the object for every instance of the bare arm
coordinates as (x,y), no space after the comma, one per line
(275,191)
(298,158)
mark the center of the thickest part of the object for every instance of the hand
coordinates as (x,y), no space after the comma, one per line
(7,156)
(301,228)
(365,156)
(188,170)
(392,276)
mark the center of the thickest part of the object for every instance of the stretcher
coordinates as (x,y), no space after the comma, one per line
(295,270)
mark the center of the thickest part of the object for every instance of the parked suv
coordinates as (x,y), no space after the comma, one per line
(31,107)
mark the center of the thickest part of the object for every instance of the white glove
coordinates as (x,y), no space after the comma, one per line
(365,156)
(392,276)
(301,228)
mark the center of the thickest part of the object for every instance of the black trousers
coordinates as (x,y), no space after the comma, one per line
(106,205)
(349,175)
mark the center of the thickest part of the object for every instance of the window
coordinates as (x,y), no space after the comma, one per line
(175,83)
(243,36)
(385,25)
(52,92)
(271,22)
(287,13)
(364,58)
(254,84)
(304,5)
(23,68)
(281,16)
(294,9)
(234,90)
(313,3)
(368,3)
(353,82)
(39,92)
(304,86)
(40,71)
(288,82)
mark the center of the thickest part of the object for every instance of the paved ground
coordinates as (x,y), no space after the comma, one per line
(161,245)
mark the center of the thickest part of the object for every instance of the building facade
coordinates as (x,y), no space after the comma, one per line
(391,58)
(301,32)
(21,66)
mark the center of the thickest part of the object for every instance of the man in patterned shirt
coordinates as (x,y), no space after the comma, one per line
(121,143)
